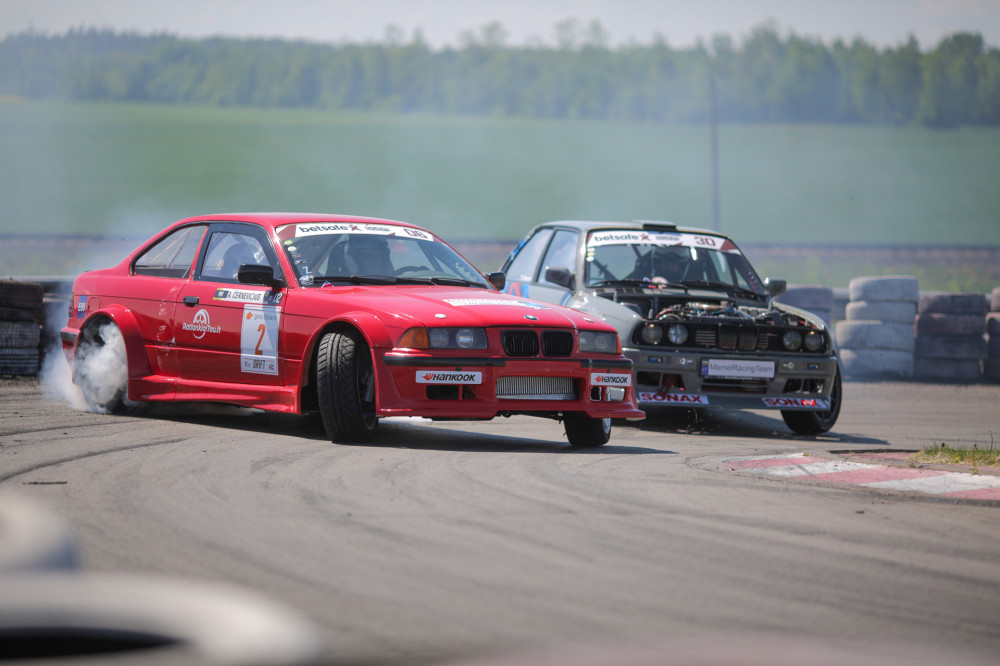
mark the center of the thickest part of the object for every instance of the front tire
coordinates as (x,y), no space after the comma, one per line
(345,384)
(101,368)
(584,431)
(814,423)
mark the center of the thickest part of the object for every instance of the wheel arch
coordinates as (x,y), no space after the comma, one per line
(135,348)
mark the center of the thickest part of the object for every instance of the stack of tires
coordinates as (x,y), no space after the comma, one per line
(991,369)
(876,337)
(815,299)
(20,330)
(951,343)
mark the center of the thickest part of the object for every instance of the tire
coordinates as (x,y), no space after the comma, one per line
(19,334)
(895,311)
(884,288)
(939,323)
(869,334)
(19,361)
(993,348)
(963,303)
(876,363)
(995,300)
(991,370)
(17,314)
(953,347)
(101,368)
(345,384)
(814,423)
(23,295)
(584,431)
(965,371)
(993,324)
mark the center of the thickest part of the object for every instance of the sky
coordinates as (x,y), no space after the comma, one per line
(442,22)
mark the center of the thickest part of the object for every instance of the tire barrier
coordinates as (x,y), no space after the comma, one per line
(812,298)
(951,343)
(876,338)
(991,367)
(20,327)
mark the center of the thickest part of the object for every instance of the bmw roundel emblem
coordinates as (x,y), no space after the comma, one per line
(531,317)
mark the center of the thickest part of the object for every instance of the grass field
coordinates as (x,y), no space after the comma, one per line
(131,169)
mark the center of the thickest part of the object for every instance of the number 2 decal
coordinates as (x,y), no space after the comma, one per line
(263,329)
(259,339)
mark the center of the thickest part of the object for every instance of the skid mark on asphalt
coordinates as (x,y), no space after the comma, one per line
(882,477)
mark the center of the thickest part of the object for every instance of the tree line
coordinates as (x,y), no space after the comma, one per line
(765,78)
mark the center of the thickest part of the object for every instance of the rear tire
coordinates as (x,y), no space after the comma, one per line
(814,423)
(345,384)
(102,368)
(584,431)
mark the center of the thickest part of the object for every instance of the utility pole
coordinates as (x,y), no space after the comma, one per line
(713,122)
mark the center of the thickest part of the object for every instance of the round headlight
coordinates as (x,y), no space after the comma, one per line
(814,341)
(652,334)
(438,337)
(792,340)
(677,334)
(465,337)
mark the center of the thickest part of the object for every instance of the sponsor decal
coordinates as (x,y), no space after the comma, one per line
(259,339)
(812,403)
(247,296)
(737,369)
(669,239)
(457,302)
(81,307)
(606,379)
(449,377)
(673,398)
(318,229)
(201,325)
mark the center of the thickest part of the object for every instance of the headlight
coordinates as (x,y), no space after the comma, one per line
(792,340)
(652,334)
(594,341)
(814,341)
(677,334)
(444,338)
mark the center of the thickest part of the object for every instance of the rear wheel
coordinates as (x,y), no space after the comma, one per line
(345,384)
(584,431)
(813,423)
(102,369)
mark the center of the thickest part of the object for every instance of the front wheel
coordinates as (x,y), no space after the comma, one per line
(814,423)
(345,384)
(101,368)
(584,431)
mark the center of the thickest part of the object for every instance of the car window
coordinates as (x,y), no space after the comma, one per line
(561,253)
(524,266)
(172,256)
(227,251)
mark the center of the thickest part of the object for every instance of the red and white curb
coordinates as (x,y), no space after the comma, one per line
(811,468)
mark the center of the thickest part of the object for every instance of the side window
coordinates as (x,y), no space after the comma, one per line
(562,253)
(172,256)
(227,251)
(525,264)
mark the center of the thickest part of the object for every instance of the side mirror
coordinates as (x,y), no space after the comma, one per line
(775,287)
(258,274)
(559,275)
(498,279)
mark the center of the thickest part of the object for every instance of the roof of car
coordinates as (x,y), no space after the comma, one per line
(656,225)
(279,219)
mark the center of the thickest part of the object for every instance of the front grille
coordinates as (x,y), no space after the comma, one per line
(557,343)
(535,388)
(520,343)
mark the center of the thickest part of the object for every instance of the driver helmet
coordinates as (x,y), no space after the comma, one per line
(670,262)
(368,254)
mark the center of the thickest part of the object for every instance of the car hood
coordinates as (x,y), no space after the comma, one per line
(454,306)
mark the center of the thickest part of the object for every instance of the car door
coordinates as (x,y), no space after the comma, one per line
(547,248)
(226,331)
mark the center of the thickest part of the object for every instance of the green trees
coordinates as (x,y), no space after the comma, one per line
(768,78)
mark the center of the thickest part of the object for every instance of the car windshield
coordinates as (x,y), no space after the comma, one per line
(662,259)
(337,253)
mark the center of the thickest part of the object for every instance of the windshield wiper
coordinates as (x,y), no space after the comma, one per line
(721,285)
(319,280)
(646,284)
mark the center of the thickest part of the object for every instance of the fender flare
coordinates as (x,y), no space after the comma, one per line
(368,325)
(135,347)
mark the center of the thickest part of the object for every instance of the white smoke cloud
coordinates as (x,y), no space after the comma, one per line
(101,369)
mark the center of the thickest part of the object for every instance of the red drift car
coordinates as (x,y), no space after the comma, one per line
(356,318)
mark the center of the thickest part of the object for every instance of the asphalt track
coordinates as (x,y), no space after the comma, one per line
(472,540)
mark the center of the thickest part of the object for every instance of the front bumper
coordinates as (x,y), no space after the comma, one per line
(693,379)
(413,384)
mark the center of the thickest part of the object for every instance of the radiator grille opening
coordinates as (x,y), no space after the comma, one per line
(536,388)
(520,343)
(557,343)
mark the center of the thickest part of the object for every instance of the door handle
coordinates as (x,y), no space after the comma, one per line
(190,301)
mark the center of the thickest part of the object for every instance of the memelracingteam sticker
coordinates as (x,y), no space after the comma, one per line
(247,296)
(493,301)
(259,339)
(673,398)
(448,377)
(607,379)
(809,403)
